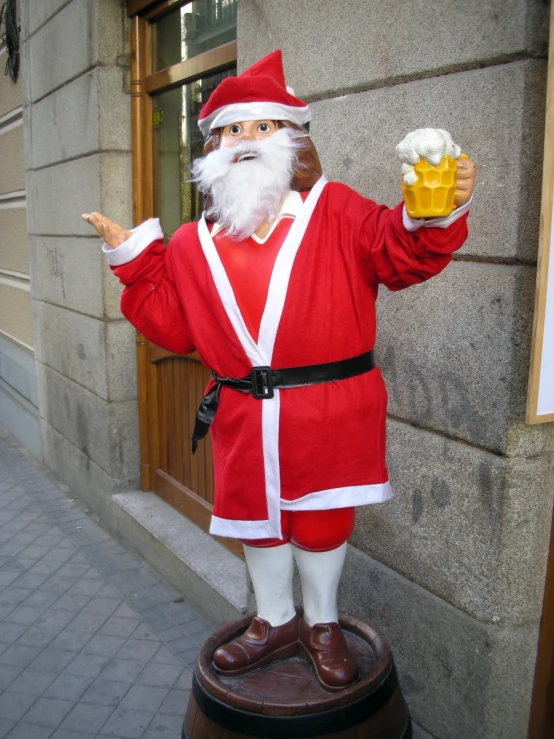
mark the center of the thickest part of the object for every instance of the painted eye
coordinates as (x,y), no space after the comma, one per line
(264,128)
(234,129)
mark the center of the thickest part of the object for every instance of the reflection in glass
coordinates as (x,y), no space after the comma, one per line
(190,30)
(177,142)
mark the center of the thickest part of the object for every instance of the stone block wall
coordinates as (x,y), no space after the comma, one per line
(78,158)
(453,567)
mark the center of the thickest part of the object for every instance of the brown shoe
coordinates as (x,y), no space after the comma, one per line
(260,644)
(325,647)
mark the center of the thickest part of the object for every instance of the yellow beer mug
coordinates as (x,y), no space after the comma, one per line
(432,196)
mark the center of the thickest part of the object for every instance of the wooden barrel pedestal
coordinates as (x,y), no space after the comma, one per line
(284,700)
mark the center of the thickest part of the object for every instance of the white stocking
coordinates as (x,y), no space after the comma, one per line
(271,570)
(320,574)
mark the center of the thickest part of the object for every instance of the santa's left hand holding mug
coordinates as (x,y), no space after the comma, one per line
(113,234)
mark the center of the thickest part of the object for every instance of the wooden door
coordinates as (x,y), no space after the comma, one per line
(165,103)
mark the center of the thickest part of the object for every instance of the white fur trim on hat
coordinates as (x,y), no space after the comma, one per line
(238,112)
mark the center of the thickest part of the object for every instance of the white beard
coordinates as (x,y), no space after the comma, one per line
(247,193)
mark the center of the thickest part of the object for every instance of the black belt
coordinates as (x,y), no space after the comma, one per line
(262,381)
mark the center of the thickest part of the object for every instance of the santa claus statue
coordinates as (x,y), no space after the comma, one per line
(275,287)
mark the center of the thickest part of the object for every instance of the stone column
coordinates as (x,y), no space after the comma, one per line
(453,567)
(75,62)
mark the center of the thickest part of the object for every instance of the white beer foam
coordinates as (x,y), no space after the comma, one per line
(431,144)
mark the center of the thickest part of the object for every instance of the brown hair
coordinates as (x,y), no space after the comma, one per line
(307,170)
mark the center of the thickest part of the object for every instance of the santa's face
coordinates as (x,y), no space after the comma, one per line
(245,131)
(250,173)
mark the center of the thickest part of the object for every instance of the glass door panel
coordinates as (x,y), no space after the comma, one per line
(177,142)
(192,29)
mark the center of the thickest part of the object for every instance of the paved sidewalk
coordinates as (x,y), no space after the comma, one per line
(92,642)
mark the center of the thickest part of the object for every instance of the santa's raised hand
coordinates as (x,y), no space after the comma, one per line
(113,234)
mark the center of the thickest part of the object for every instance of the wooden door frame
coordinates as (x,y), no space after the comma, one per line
(541,721)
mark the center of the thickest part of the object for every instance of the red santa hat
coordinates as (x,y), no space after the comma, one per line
(259,93)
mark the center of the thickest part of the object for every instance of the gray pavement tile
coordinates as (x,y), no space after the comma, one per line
(11,549)
(161,593)
(15,705)
(106,693)
(127,724)
(104,645)
(8,675)
(69,687)
(84,621)
(48,712)
(160,676)
(87,586)
(115,626)
(8,576)
(37,636)
(73,571)
(178,606)
(26,537)
(71,734)
(190,656)
(56,584)
(165,656)
(138,649)
(71,640)
(87,716)
(104,606)
(86,665)
(57,554)
(175,703)
(5,610)
(107,567)
(19,655)
(6,725)
(30,731)
(73,602)
(123,670)
(55,618)
(182,644)
(43,567)
(144,698)
(125,611)
(13,595)
(165,726)
(145,632)
(201,636)
(108,591)
(30,580)
(40,599)
(173,632)
(185,680)
(53,660)
(193,627)
(78,558)
(33,683)
(161,622)
(34,552)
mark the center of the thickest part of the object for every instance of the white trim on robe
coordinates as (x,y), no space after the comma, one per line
(340,498)
(260,353)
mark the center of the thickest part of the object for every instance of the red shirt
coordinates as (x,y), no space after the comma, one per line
(249,265)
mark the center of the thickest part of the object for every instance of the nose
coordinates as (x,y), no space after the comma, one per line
(248,135)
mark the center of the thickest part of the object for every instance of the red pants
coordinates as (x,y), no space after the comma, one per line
(314,531)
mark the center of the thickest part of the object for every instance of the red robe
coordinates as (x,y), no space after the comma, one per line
(315,447)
